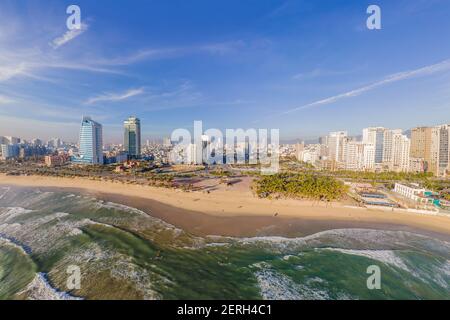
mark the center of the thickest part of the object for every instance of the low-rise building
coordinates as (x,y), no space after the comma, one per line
(56,160)
(416,193)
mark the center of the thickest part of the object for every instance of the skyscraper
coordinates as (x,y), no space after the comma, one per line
(421,146)
(440,150)
(132,136)
(336,146)
(400,152)
(375,136)
(91,142)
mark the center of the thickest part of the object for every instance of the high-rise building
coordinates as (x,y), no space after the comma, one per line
(132,136)
(354,155)
(299,148)
(336,146)
(369,156)
(440,150)
(389,145)
(421,145)
(376,137)
(54,143)
(9,151)
(323,140)
(167,142)
(13,140)
(400,152)
(359,156)
(91,142)
(37,142)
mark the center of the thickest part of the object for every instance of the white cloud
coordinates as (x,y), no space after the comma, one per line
(113,97)
(316,73)
(173,52)
(68,36)
(5,100)
(424,71)
(10,71)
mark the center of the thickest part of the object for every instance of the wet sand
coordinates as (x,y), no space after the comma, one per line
(240,214)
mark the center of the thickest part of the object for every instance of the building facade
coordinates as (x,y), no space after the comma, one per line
(421,145)
(440,151)
(400,159)
(9,151)
(336,146)
(132,137)
(91,143)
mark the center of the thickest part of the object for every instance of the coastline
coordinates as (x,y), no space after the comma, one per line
(236,212)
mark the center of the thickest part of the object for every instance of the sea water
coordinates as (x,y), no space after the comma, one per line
(125,253)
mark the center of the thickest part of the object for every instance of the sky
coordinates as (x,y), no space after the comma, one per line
(304,67)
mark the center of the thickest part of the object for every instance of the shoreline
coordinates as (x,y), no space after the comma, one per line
(237,213)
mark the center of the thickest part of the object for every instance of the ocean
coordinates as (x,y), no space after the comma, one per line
(125,253)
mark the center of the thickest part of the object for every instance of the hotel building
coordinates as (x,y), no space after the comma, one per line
(91,143)
(132,137)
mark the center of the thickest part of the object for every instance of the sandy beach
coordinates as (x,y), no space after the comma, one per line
(235,211)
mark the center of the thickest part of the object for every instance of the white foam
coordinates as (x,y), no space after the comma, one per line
(276,286)
(40,289)
(75,232)
(218,244)
(10,213)
(344,238)
(120,207)
(4,191)
(8,242)
(441,275)
(385,256)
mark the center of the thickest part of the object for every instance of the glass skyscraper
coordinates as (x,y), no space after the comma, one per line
(91,142)
(132,137)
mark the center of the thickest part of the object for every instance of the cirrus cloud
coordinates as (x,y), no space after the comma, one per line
(113,97)
(68,36)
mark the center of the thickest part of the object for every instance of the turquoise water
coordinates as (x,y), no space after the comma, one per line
(124,253)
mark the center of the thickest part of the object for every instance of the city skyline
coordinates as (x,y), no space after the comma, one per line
(307,68)
(162,138)
(425,149)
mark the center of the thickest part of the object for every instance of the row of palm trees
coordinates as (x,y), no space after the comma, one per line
(300,185)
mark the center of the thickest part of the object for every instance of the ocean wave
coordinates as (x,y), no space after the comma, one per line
(9,213)
(71,195)
(7,242)
(441,275)
(385,256)
(40,289)
(119,207)
(30,199)
(99,204)
(40,233)
(276,286)
(95,259)
(4,191)
(349,239)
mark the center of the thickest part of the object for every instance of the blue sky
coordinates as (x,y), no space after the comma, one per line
(305,67)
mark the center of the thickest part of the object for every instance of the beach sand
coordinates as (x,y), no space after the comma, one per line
(235,211)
